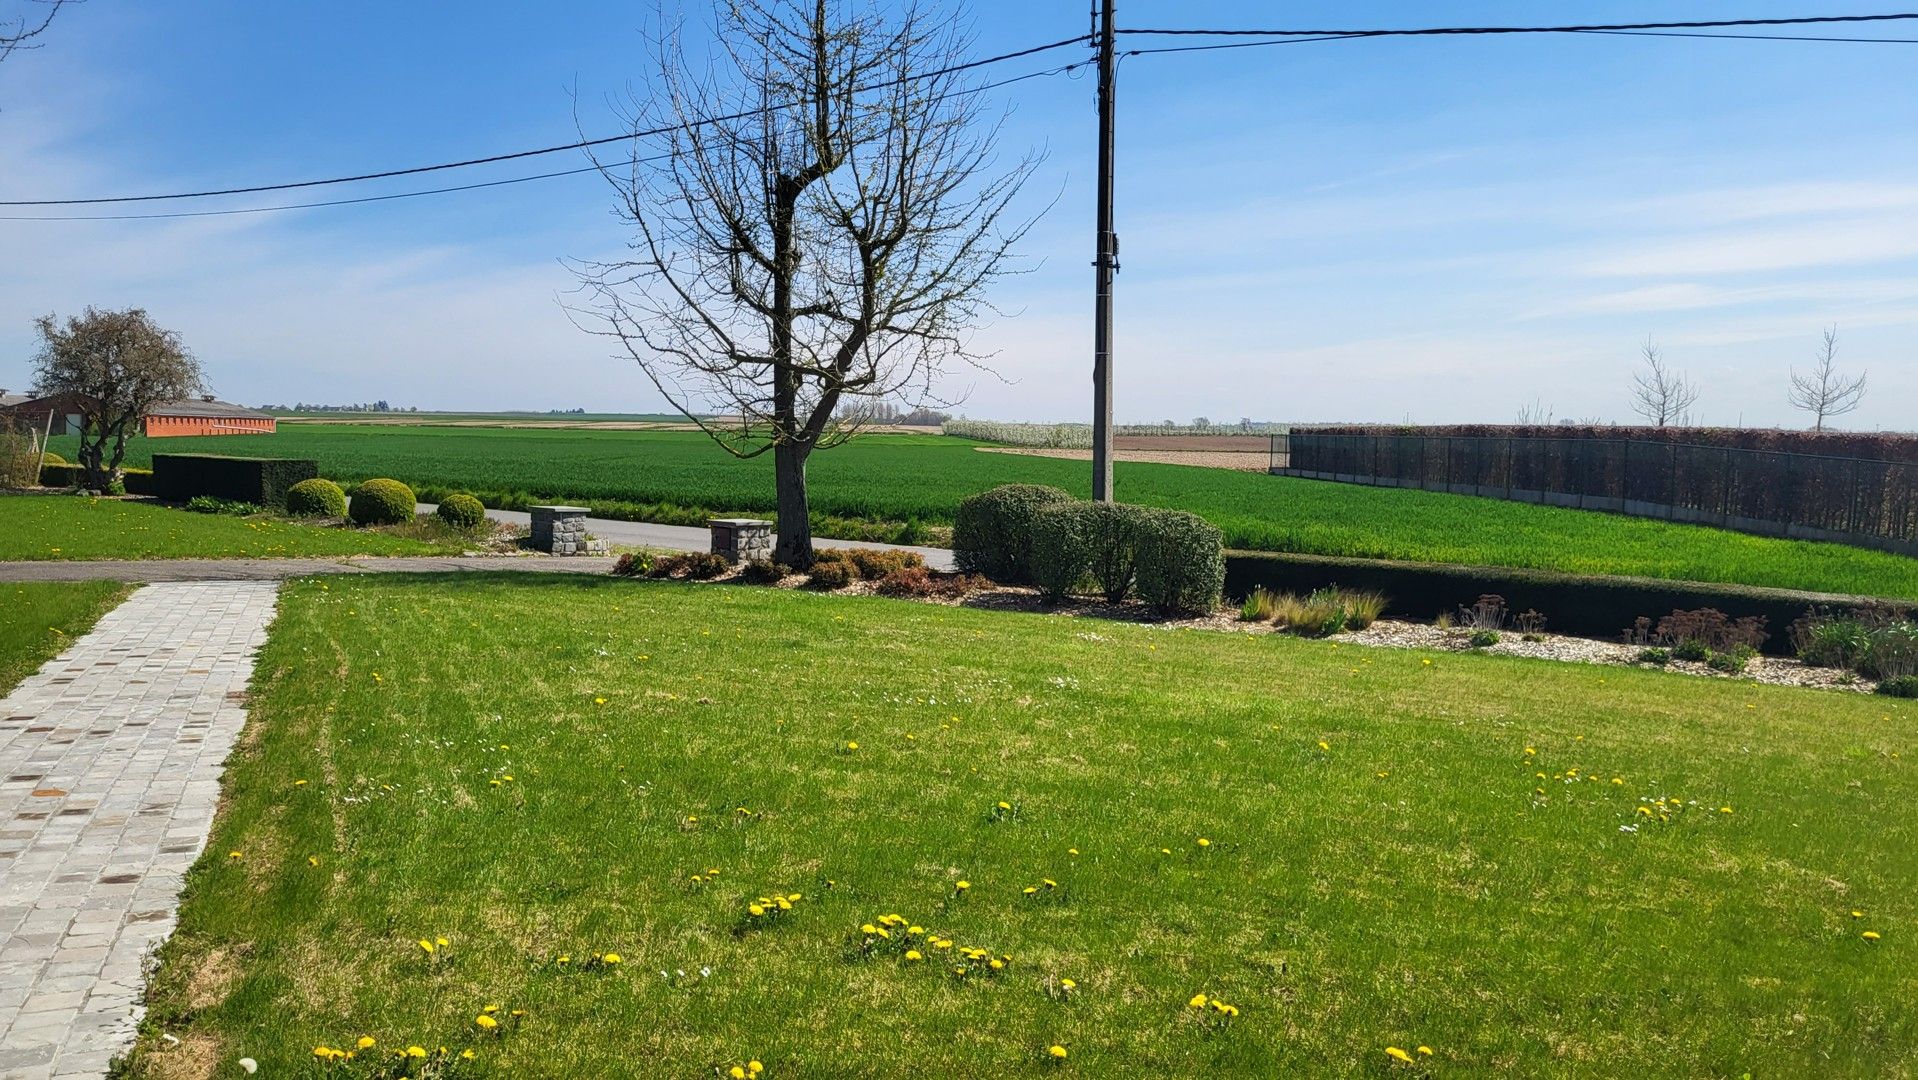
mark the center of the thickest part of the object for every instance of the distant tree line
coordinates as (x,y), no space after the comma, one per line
(866,411)
(364,406)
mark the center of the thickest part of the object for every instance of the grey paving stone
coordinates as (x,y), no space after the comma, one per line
(131,727)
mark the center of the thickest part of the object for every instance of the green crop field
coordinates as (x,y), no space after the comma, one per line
(680,477)
(1528,868)
(39,619)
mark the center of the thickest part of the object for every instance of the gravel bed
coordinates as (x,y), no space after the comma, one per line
(1778,671)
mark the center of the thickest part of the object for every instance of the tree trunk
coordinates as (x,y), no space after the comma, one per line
(794,526)
(93,441)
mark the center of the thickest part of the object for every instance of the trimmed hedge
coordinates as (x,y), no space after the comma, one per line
(51,458)
(1583,605)
(992,531)
(1872,445)
(381,502)
(265,481)
(318,497)
(1181,563)
(136,481)
(1061,548)
(462,511)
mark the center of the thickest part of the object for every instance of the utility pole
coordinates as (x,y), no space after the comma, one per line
(1106,264)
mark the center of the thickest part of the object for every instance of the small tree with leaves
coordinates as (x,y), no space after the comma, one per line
(1660,393)
(822,224)
(113,366)
(1823,392)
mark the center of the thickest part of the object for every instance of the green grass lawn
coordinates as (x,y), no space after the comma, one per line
(681,477)
(1401,849)
(38,619)
(55,527)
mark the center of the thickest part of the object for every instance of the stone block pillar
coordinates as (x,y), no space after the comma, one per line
(742,539)
(561,530)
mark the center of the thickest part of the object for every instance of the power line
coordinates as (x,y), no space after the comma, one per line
(164,215)
(519,154)
(1433,31)
(1608,33)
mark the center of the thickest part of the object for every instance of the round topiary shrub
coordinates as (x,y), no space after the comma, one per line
(1905,686)
(992,531)
(317,497)
(1061,547)
(381,502)
(1115,529)
(51,458)
(1181,563)
(462,511)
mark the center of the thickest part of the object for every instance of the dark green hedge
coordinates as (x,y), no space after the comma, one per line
(1596,607)
(264,481)
(137,481)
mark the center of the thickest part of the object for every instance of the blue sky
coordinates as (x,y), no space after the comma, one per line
(1439,230)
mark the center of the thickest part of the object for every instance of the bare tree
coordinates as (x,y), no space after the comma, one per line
(1660,393)
(1823,392)
(19,31)
(114,366)
(823,223)
(1537,414)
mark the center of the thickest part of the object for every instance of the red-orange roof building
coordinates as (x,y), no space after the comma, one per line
(205,415)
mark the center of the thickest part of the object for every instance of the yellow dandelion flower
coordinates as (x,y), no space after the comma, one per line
(1197,1002)
(755,910)
(1323,745)
(312,860)
(426,945)
(1068,984)
(1857,914)
(233,855)
(852,746)
(1057,1051)
(441,942)
(416,1051)
(1426,1050)
(755,1067)
(610,958)
(1870,935)
(468,1054)
(485,1022)
(914,954)
(1203,842)
(1724,809)
(996,965)
(366,1042)
(1072,851)
(1005,806)
(737,1072)
(963,886)
(1395,1052)
(299,783)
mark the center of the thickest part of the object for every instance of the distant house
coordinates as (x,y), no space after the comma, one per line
(61,414)
(205,415)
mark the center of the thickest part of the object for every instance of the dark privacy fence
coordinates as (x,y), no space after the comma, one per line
(1851,500)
